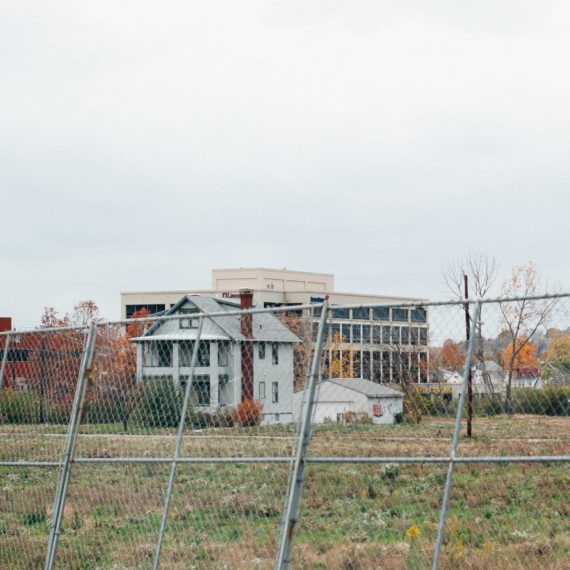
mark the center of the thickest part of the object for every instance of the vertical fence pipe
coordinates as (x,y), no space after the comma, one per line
(8,338)
(181,425)
(70,444)
(455,441)
(295,490)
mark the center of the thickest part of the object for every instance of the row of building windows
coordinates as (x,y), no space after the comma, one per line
(379,366)
(159,353)
(378,334)
(200,391)
(152,309)
(415,315)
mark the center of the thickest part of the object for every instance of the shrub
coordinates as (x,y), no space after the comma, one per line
(548,401)
(19,407)
(248,413)
(159,404)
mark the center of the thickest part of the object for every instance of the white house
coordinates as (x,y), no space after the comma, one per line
(240,357)
(337,396)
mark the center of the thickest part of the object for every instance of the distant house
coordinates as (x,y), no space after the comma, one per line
(337,396)
(487,379)
(240,357)
(527,377)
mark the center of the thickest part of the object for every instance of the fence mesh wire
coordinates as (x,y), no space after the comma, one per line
(257,473)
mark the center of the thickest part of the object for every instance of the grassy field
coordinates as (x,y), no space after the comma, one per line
(354,516)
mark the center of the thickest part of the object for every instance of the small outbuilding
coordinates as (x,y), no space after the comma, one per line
(338,396)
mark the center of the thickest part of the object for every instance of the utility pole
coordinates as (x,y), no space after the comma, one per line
(469,378)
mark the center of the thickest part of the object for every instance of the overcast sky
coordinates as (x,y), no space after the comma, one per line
(144,143)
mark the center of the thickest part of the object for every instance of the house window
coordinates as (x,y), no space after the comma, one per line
(361,313)
(223,353)
(188,323)
(276,417)
(186,348)
(275,353)
(400,315)
(261,391)
(261,351)
(200,389)
(158,354)
(223,381)
(275,392)
(381,313)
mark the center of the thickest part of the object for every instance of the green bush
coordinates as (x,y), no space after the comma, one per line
(19,407)
(546,402)
(159,404)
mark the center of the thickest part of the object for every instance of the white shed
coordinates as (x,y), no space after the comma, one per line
(336,396)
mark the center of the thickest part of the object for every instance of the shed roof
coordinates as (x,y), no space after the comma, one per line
(371,389)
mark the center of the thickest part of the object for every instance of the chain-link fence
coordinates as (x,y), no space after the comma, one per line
(209,436)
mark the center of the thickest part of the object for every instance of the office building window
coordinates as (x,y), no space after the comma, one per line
(261,351)
(419,315)
(152,309)
(275,392)
(377,334)
(356,365)
(361,313)
(400,315)
(381,313)
(366,371)
(340,313)
(335,332)
(395,336)
(366,333)
(377,366)
(423,337)
(356,333)
(386,335)
(405,335)
(275,353)
(415,335)
(386,367)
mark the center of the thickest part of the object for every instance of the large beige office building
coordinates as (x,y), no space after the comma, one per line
(271,288)
(385,343)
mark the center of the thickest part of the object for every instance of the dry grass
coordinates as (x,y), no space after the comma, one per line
(354,516)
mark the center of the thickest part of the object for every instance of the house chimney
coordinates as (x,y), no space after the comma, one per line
(246,321)
(246,328)
(5,324)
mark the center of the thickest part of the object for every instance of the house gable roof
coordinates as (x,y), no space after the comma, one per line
(266,327)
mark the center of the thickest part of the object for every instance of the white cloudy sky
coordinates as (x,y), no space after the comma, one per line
(143,143)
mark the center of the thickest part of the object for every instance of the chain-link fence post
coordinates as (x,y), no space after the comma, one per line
(179,435)
(70,443)
(293,502)
(8,338)
(458,417)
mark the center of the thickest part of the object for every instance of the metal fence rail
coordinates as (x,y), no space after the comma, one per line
(207,437)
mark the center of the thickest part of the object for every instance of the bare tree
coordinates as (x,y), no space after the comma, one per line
(481,270)
(522,317)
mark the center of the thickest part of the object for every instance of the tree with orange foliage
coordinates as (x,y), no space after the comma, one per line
(342,359)
(526,355)
(521,317)
(451,357)
(115,386)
